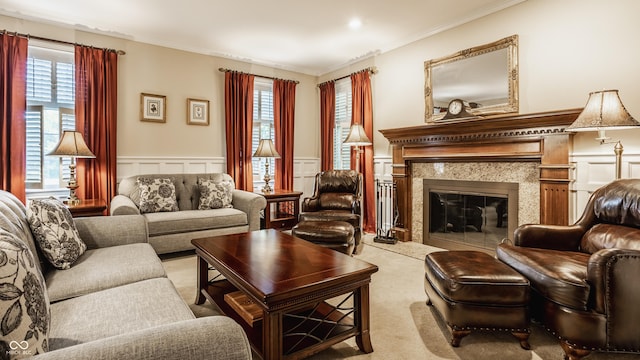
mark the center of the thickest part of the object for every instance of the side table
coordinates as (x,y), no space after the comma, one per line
(87,207)
(283,207)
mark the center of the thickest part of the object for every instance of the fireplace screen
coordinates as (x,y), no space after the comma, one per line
(469,216)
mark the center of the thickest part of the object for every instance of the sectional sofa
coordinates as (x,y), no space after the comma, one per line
(115,302)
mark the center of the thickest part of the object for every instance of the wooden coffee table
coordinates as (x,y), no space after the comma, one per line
(289,279)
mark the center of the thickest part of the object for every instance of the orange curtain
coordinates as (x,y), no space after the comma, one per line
(362,113)
(284,106)
(238,116)
(96,118)
(327,123)
(13,104)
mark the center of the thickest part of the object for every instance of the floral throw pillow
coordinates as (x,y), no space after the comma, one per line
(157,195)
(55,232)
(215,195)
(24,303)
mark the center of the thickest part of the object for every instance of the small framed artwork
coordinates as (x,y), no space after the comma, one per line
(197,112)
(153,108)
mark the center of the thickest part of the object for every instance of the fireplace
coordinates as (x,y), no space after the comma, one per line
(469,214)
(534,144)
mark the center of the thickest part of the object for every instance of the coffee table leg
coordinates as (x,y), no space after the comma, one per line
(203,280)
(361,300)
(272,336)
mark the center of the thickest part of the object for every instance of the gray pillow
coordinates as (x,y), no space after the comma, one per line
(55,232)
(157,195)
(215,195)
(24,302)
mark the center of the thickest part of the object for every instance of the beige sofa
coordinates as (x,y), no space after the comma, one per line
(116,302)
(173,231)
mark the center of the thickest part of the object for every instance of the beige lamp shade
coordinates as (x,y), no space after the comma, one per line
(357,136)
(72,144)
(604,110)
(266,149)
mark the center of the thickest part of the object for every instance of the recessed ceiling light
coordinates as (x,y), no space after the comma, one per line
(355,23)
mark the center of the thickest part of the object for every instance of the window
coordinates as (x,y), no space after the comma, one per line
(50,110)
(262,129)
(341,152)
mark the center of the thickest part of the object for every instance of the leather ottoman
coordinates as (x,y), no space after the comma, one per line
(473,291)
(337,235)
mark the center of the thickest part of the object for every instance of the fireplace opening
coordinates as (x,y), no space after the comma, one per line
(469,214)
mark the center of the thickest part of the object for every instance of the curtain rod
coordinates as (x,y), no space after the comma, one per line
(373,70)
(264,77)
(28,36)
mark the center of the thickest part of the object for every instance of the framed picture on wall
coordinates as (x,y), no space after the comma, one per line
(153,108)
(197,112)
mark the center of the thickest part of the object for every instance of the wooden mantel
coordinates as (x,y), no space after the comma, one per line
(538,137)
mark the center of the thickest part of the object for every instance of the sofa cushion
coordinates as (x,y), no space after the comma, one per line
(53,227)
(13,218)
(157,195)
(608,236)
(24,304)
(558,275)
(104,268)
(619,203)
(194,220)
(215,195)
(120,310)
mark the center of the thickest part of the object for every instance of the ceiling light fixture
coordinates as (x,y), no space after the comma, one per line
(355,23)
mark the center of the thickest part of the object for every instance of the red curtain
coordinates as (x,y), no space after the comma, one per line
(284,106)
(238,115)
(327,123)
(362,113)
(96,118)
(13,104)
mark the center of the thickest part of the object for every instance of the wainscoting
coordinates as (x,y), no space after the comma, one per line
(304,169)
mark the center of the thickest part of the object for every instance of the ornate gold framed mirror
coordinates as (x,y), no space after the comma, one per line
(485,77)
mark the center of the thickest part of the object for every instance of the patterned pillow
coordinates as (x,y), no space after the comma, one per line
(157,195)
(215,195)
(55,232)
(24,303)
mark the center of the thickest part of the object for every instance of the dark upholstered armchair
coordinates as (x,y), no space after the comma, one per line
(337,196)
(584,277)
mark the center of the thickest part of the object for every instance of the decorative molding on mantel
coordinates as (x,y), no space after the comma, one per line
(484,129)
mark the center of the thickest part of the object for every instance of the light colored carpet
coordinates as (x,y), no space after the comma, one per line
(402,325)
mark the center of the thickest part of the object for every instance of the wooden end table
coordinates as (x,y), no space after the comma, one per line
(86,207)
(289,279)
(283,208)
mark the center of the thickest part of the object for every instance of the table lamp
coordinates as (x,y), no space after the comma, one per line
(604,111)
(72,145)
(357,137)
(266,150)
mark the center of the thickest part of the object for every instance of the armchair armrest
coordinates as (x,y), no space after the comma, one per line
(213,337)
(250,203)
(105,231)
(310,204)
(611,274)
(122,205)
(553,237)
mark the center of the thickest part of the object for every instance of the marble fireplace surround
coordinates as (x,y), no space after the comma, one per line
(530,149)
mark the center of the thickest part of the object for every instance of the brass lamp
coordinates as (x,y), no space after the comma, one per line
(604,110)
(72,144)
(357,137)
(266,150)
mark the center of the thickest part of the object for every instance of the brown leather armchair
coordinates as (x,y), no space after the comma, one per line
(584,276)
(337,196)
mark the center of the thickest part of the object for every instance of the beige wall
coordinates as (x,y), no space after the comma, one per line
(567,49)
(179,75)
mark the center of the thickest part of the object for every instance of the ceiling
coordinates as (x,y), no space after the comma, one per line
(311,37)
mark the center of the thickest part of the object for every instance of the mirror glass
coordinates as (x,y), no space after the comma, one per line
(484,77)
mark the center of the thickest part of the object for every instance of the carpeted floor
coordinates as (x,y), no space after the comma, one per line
(402,325)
